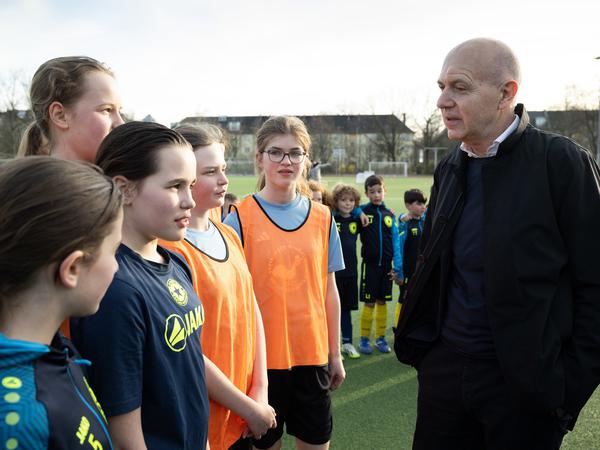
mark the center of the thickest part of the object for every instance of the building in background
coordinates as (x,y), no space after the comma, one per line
(347,142)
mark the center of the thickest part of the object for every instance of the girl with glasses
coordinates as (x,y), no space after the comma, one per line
(292,249)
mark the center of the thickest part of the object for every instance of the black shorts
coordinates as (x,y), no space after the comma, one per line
(375,283)
(348,289)
(300,397)
(242,444)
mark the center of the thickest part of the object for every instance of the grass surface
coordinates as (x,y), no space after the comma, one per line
(395,187)
(375,408)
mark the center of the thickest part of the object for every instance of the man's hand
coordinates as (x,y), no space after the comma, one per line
(337,372)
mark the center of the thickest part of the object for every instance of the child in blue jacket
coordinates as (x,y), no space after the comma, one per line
(380,247)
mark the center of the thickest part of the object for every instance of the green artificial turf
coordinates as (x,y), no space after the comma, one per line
(395,187)
(375,409)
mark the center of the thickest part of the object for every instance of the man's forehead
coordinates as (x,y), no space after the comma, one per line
(481,60)
(463,63)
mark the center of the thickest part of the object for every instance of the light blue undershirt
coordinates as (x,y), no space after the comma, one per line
(289,216)
(210,241)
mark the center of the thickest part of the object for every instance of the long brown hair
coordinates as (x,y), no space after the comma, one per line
(57,80)
(279,126)
(131,150)
(50,207)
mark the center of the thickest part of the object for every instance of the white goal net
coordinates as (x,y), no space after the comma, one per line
(393,168)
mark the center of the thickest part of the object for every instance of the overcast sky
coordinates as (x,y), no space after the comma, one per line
(234,57)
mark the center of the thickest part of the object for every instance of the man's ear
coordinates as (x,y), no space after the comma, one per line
(128,188)
(70,269)
(58,115)
(508,92)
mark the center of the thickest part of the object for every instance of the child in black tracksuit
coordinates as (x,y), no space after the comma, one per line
(345,203)
(410,228)
(380,246)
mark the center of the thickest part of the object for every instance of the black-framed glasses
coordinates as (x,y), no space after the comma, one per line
(276,155)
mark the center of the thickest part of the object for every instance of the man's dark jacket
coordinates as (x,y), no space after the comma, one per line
(541,276)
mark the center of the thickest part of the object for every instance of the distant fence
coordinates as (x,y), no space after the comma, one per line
(240,167)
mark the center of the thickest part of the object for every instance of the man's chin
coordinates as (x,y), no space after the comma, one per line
(455,135)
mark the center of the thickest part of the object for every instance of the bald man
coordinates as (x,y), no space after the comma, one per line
(502,318)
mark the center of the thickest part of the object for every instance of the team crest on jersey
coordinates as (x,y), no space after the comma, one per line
(284,265)
(415,231)
(387,220)
(178,293)
(353,228)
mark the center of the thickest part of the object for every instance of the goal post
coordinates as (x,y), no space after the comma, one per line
(391,168)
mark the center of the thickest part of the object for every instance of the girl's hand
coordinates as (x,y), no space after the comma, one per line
(259,419)
(337,372)
(259,394)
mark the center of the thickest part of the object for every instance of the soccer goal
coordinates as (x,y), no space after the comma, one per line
(240,166)
(393,168)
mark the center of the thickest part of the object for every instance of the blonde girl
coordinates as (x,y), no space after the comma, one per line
(76,103)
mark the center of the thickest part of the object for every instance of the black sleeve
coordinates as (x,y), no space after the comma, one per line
(575,188)
(426,234)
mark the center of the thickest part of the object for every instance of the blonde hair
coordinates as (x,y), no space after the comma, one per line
(280,126)
(57,80)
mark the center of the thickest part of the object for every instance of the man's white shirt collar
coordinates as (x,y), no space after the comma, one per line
(493,149)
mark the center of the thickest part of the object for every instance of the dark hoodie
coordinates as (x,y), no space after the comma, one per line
(45,400)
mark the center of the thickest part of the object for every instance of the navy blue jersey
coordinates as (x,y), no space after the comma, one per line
(348,229)
(380,242)
(45,401)
(410,238)
(144,343)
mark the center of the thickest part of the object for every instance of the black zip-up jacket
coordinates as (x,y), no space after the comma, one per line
(348,229)
(380,240)
(541,238)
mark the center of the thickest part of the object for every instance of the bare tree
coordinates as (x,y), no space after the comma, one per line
(431,135)
(321,129)
(389,135)
(577,118)
(14,115)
